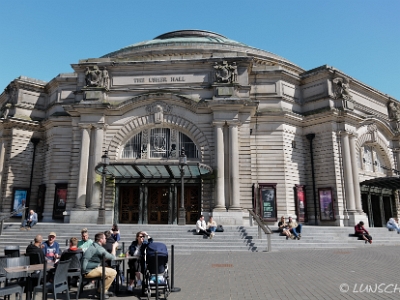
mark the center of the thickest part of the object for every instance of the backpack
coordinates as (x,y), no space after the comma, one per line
(219,228)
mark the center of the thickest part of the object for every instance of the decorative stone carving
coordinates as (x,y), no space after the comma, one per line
(225,73)
(158,114)
(94,77)
(342,90)
(173,152)
(159,107)
(145,140)
(372,130)
(394,110)
(5,110)
(105,77)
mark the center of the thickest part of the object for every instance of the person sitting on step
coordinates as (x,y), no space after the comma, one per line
(295,228)
(393,224)
(284,228)
(360,231)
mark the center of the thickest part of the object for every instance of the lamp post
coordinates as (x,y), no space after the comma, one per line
(105,161)
(182,164)
(25,213)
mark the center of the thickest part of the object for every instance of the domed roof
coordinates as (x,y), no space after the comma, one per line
(191,40)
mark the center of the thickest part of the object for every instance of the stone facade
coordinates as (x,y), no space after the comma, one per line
(253,117)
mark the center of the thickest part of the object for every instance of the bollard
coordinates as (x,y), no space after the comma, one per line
(44,296)
(173,289)
(156,275)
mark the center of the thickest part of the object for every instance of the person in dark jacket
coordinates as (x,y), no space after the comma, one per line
(115,233)
(36,247)
(137,249)
(362,232)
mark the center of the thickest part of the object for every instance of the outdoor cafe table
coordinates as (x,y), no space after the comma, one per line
(29,270)
(119,260)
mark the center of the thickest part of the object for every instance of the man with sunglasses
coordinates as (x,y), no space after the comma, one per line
(51,248)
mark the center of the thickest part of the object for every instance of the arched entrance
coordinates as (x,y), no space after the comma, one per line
(378,199)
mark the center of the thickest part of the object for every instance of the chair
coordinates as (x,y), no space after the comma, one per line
(60,282)
(75,267)
(16,262)
(3,273)
(35,259)
(12,289)
(12,251)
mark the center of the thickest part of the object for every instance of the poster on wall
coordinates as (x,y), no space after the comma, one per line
(60,200)
(19,200)
(301,205)
(268,201)
(326,204)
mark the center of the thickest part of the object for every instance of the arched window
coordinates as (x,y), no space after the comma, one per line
(159,143)
(372,160)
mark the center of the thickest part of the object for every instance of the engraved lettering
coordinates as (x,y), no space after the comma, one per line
(138,80)
(178,79)
(158,79)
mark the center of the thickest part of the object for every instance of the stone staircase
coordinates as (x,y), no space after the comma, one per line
(235,238)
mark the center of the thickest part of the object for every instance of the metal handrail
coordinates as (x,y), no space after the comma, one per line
(13,213)
(261,226)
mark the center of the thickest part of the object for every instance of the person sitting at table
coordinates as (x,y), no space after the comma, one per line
(109,244)
(51,248)
(36,247)
(115,233)
(30,221)
(91,263)
(85,242)
(137,250)
(73,253)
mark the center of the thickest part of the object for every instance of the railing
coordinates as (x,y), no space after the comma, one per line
(13,213)
(261,226)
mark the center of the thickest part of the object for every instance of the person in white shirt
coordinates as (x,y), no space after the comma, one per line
(201,228)
(393,224)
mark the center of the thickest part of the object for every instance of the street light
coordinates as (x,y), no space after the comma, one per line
(182,164)
(105,161)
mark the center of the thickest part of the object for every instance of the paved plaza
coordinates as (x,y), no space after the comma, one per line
(300,274)
(364,273)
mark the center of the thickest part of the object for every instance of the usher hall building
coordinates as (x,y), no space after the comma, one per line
(243,128)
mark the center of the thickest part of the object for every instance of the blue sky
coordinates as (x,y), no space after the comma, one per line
(40,39)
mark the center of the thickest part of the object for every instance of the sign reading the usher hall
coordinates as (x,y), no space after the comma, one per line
(163,79)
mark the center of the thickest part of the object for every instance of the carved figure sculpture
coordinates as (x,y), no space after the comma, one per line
(106,78)
(394,111)
(173,151)
(158,114)
(225,73)
(342,89)
(93,77)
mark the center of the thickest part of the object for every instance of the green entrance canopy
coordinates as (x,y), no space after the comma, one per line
(154,170)
(384,182)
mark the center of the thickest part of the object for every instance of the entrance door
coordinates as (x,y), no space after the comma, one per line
(158,198)
(129,197)
(192,203)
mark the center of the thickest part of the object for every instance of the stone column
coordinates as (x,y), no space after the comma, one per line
(219,156)
(97,153)
(234,166)
(348,174)
(356,181)
(83,169)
